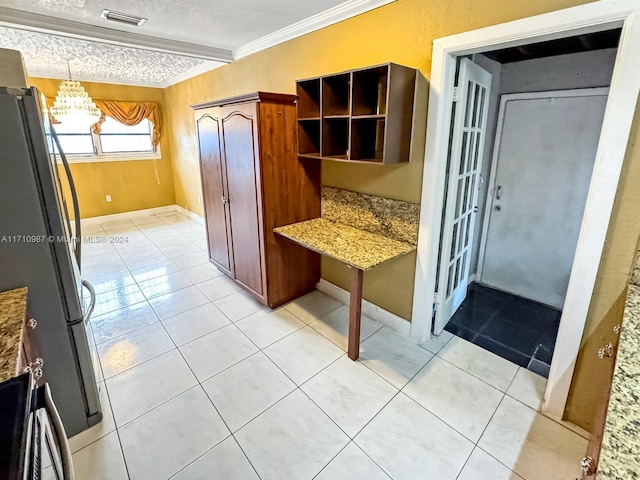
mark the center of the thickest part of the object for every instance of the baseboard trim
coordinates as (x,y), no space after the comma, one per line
(194,216)
(571,426)
(388,319)
(114,217)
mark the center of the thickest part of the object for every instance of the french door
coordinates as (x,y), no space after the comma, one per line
(468,132)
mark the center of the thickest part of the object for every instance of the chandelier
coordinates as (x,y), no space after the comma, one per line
(73,105)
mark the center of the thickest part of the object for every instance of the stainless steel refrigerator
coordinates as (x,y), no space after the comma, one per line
(39,249)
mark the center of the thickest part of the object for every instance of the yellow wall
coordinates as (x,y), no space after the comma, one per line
(401,32)
(131,184)
(607,306)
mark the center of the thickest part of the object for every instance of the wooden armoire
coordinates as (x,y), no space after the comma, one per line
(252,182)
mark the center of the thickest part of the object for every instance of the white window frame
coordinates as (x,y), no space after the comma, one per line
(99,156)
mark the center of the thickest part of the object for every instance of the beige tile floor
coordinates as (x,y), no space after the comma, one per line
(199,381)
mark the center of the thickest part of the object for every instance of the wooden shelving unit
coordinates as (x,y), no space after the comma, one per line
(362,115)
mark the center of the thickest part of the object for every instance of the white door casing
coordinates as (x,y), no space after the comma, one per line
(621,104)
(465,162)
(542,164)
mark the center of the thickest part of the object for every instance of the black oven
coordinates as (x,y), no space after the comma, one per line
(32,438)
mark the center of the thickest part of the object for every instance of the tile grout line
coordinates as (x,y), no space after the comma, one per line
(500,462)
(210,401)
(331,460)
(408,381)
(475,376)
(477,444)
(106,389)
(339,346)
(299,386)
(160,404)
(117,430)
(177,348)
(161,321)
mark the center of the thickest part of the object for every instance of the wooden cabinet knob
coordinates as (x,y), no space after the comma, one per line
(588,465)
(606,351)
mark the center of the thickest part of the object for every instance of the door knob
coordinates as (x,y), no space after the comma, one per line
(225,200)
(498,192)
(497,208)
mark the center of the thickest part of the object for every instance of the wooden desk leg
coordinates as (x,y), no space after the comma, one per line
(355,308)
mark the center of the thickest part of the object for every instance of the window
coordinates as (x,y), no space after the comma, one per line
(116,137)
(114,140)
(75,140)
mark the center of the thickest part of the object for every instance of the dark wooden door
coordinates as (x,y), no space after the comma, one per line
(240,150)
(213,189)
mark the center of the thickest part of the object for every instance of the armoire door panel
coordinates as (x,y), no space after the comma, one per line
(239,143)
(209,130)
(265,186)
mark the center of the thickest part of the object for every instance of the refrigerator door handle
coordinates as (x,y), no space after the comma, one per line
(58,431)
(74,197)
(87,314)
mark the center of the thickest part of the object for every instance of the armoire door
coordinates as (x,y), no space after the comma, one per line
(213,190)
(240,149)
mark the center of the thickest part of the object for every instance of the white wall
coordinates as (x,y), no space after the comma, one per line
(562,72)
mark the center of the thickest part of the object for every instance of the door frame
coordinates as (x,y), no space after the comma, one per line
(621,104)
(493,168)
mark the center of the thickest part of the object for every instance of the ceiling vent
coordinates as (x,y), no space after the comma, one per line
(122,18)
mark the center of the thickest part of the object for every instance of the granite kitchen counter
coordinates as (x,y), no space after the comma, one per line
(620,453)
(349,245)
(13,309)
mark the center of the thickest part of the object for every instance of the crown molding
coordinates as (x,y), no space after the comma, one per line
(336,14)
(92,79)
(67,28)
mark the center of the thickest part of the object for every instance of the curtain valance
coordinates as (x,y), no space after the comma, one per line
(128,113)
(131,113)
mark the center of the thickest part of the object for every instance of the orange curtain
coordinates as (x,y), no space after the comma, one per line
(131,113)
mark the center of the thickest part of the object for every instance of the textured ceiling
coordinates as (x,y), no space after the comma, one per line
(51,32)
(225,24)
(47,55)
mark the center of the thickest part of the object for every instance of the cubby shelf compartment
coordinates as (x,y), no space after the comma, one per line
(336,93)
(309,99)
(370,91)
(362,115)
(367,139)
(335,140)
(309,137)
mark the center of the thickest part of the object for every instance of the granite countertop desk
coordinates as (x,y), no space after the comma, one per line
(13,309)
(357,248)
(362,231)
(620,452)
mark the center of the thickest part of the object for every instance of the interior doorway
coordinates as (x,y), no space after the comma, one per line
(576,21)
(539,148)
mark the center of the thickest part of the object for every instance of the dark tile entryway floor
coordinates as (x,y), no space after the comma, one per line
(514,328)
